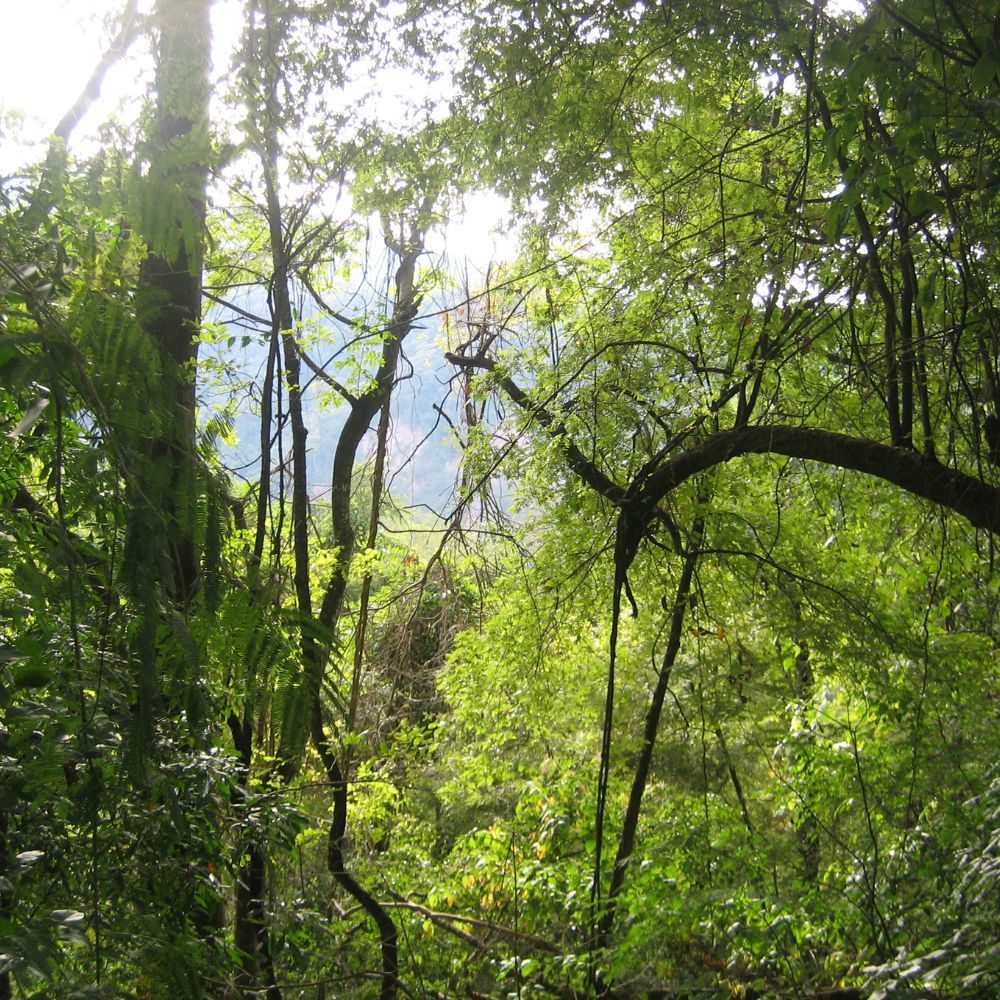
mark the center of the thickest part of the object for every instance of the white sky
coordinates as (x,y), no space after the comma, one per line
(48,50)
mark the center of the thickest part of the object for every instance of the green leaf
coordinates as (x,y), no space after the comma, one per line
(31,675)
(984,72)
(925,202)
(30,418)
(30,581)
(837,218)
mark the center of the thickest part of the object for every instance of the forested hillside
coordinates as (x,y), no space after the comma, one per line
(687,686)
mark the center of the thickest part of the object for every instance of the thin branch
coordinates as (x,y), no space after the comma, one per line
(442,918)
(324,376)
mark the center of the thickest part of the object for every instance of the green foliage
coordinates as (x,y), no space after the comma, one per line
(756,219)
(958,951)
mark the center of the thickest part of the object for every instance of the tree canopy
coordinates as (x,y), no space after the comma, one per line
(686,686)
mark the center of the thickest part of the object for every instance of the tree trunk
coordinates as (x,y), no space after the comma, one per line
(806,828)
(251,933)
(630,825)
(172,220)
(363,411)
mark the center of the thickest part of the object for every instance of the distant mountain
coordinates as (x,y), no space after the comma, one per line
(423,459)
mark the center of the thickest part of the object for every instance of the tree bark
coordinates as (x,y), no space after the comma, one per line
(251,933)
(630,825)
(172,218)
(919,474)
(806,827)
(363,411)
(973,499)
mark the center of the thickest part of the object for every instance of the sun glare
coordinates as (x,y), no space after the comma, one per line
(49,51)
(60,43)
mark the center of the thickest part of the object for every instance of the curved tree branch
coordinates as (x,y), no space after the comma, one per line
(915,473)
(587,470)
(911,471)
(128,32)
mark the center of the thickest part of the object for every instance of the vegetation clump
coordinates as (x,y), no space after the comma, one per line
(685,686)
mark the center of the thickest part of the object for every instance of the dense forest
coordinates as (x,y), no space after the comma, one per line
(686,682)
